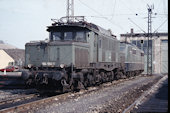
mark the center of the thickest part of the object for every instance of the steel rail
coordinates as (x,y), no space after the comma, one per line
(33,104)
(17,99)
(37,103)
(144,95)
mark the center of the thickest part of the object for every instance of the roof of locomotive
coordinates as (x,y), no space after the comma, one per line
(79,24)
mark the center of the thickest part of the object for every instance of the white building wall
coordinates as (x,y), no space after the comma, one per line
(157,54)
(5,59)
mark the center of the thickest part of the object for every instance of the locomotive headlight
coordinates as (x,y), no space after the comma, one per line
(29,65)
(62,65)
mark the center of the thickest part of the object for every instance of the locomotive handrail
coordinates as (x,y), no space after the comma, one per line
(73,19)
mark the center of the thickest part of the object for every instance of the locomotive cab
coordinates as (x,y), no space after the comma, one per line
(51,62)
(65,47)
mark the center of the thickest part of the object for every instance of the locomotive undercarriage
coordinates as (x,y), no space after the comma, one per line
(64,80)
(133,73)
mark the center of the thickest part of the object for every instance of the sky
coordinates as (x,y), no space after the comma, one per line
(22,21)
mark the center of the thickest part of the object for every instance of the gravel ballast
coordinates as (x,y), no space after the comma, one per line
(112,98)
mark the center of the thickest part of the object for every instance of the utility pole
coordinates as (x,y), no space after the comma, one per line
(70,10)
(149,47)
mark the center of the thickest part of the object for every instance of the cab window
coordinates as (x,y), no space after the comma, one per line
(68,35)
(56,35)
(80,36)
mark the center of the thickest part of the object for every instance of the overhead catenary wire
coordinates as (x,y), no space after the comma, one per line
(102,16)
(90,8)
(136,25)
(164,6)
(158,7)
(129,8)
(109,18)
(160,26)
(113,13)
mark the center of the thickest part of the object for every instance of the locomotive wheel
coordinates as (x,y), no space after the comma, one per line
(85,84)
(116,77)
(80,85)
(29,83)
(112,76)
(98,79)
(121,75)
(128,74)
(90,80)
(72,88)
(131,74)
(109,75)
(72,85)
(75,86)
(64,86)
(102,76)
(86,81)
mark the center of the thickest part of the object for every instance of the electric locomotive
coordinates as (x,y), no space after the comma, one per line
(134,59)
(77,54)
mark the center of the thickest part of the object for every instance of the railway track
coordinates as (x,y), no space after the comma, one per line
(144,96)
(45,102)
(17,100)
(25,106)
(14,93)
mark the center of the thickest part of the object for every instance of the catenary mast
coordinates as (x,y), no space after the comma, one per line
(70,10)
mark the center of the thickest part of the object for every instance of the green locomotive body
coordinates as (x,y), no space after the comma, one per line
(77,54)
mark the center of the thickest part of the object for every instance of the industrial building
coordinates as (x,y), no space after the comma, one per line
(159,44)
